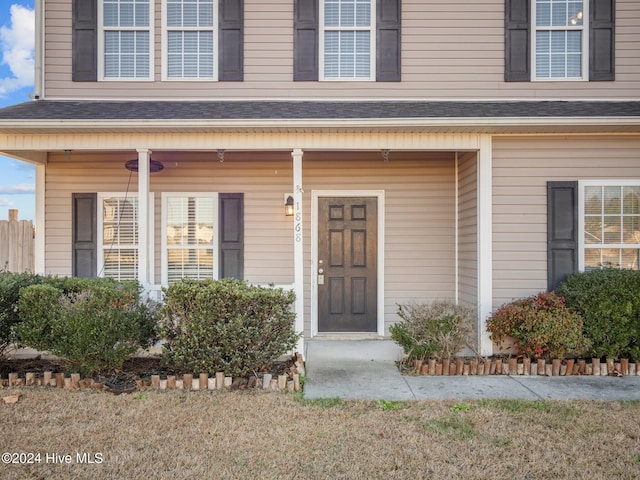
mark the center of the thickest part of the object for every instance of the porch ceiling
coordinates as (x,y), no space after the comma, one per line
(504,117)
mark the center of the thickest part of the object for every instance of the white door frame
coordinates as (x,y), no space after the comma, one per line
(315,196)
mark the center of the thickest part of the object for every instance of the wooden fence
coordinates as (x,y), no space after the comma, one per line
(17,246)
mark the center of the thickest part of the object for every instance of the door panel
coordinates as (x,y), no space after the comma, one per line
(347,264)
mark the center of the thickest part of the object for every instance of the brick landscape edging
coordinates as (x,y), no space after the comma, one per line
(170,382)
(515,366)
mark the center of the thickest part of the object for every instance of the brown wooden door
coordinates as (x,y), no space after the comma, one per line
(347,264)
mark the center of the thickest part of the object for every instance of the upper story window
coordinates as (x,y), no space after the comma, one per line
(348,40)
(552,40)
(560,39)
(125,39)
(190,39)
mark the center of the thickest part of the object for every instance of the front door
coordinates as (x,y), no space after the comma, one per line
(347,264)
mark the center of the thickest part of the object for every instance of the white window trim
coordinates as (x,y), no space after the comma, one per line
(597,183)
(584,28)
(165,46)
(164,279)
(101,45)
(100,226)
(372,41)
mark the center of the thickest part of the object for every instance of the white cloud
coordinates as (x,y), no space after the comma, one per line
(17,44)
(5,202)
(20,165)
(23,189)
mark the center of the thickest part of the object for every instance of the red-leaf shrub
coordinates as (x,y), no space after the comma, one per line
(540,326)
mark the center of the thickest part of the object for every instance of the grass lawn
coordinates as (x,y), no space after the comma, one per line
(257,435)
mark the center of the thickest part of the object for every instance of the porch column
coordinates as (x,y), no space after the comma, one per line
(298,244)
(39,257)
(485,244)
(143,217)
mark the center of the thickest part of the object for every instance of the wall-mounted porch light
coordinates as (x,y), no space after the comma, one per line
(288,206)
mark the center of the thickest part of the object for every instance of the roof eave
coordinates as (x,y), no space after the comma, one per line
(439,124)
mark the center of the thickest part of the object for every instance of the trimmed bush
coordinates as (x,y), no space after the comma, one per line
(540,326)
(609,302)
(94,323)
(439,329)
(10,285)
(226,325)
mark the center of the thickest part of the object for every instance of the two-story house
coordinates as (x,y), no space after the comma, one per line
(365,153)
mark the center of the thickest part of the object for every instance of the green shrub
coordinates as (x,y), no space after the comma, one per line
(10,285)
(609,302)
(94,323)
(540,326)
(439,329)
(226,325)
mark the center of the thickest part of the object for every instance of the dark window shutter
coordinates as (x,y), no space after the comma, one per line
(602,54)
(231,234)
(84,233)
(388,39)
(84,63)
(517,40)
(231,38)
(305,40)
(562,231)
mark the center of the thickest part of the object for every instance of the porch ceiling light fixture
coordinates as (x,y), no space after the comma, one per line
(385,155)
(221,155)
(154,166)
(288,206)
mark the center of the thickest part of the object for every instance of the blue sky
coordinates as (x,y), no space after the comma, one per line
(17,179)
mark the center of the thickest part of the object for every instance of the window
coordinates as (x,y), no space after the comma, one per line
(190,39)
(560,39)
(348,41)
(189,236)
(125,39)
(610,223)
(551,40)
(118,236)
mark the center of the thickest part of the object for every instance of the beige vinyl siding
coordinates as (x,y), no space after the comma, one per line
(468,228)
(521,168)
(419,196)
(450,50)
(262,178)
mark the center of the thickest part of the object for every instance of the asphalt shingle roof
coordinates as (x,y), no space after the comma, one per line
(42,110)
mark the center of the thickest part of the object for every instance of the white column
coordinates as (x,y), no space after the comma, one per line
(39,257)
(143,217)
(485,243)
(298,244)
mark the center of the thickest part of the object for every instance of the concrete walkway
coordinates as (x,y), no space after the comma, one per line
(365,369)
